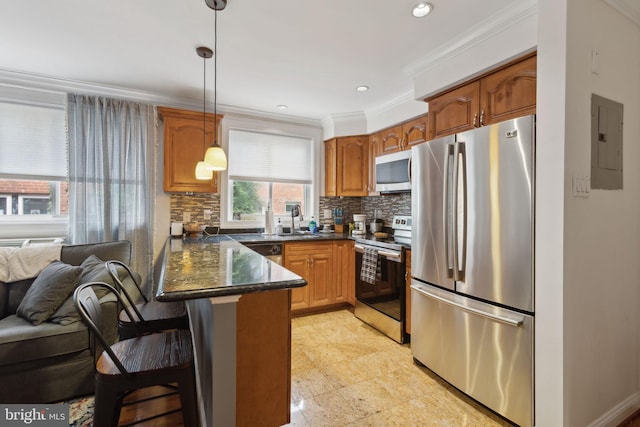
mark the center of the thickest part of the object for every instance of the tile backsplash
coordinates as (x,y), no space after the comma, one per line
(195,206)
(388,205)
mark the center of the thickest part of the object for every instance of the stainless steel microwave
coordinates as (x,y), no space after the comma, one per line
(393,172)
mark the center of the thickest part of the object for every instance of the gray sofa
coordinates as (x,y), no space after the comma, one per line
(51,362)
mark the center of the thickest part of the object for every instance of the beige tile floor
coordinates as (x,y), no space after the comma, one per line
(345,373)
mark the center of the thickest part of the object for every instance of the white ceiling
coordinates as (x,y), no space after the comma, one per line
(307,55)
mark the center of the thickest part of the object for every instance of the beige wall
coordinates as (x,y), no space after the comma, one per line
(602,232)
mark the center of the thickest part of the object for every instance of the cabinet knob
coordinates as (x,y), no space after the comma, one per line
(475,118)
(482,118)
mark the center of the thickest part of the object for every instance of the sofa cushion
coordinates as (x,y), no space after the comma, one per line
(76,254)
(93,270)
(21,342)
(15,293)
(53,285)
(4,300)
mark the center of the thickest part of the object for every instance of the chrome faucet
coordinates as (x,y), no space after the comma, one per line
(296,210)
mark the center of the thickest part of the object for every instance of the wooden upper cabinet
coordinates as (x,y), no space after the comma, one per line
(391,140)
(509,93)
(504,94)
(415,131)
(454,111)
(330,167)
(184,147)
(350,177)
(374,151)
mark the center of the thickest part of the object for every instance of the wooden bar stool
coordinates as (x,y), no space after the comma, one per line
(144,361)
(151,316)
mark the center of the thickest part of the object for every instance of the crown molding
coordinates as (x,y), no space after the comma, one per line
(497,23)
(628,9)
(393,103)
(50,84)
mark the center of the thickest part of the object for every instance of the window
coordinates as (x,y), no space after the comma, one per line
(267,170)
(33,164)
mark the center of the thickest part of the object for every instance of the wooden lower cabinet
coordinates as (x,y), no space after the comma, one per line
(263,359)
(325,267)
(344,258)
(407,324)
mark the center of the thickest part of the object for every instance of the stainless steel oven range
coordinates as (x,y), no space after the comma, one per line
(380,295)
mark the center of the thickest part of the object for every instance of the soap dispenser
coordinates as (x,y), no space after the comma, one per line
(279,231)
(312,225)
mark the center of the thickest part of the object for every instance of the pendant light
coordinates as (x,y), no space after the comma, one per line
(202,172)
(215,158)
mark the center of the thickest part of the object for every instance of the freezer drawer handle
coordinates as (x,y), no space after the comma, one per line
(497,318)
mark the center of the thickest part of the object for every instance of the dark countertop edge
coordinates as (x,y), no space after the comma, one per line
(230,291)
(220,291)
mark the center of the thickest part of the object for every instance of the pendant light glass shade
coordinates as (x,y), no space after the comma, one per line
(202,172)
(215,158)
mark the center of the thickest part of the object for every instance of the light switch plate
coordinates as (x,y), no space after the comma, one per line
(186,217)
(580,186)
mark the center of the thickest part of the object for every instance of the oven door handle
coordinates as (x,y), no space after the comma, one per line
(390,255)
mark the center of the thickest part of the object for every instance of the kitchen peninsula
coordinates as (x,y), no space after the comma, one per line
(216,275)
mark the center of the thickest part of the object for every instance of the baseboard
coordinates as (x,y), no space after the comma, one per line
(618,413)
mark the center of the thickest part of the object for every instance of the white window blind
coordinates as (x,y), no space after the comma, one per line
(265,157)
(32,139)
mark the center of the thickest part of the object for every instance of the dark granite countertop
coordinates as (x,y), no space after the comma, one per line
(215,266)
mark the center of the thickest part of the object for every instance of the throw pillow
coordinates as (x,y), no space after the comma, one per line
(53,285)
(93,270)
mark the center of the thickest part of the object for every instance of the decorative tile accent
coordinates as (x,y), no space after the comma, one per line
(195,204)
(388,205)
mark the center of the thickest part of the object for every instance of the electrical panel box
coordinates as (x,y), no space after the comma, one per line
(606,143)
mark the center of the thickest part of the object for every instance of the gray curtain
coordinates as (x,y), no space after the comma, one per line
(111,174)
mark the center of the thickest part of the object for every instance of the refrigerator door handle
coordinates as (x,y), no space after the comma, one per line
(459,209)
(495,317)
(447,216)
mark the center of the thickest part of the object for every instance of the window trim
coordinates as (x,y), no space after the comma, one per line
(273,127)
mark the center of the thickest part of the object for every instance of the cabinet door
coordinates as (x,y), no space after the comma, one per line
(407,324)
(392,140)
(374,151)
(330,167)
(353,164)
(184,146)
(509,93)
(415,132)
(454,111)
(299,264)
(344,260)
(263,359)
(322,276)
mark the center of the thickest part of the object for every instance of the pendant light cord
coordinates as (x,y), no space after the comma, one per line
(204,102)
(215,77)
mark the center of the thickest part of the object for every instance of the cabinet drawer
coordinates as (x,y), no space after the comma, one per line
(307,248)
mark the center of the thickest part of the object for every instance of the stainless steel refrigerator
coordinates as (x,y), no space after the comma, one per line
(472,284)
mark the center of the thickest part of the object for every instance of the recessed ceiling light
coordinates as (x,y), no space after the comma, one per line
(281,107)
(362,88)
(422,9)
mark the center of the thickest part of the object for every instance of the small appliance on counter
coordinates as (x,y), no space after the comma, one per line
(360,224)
